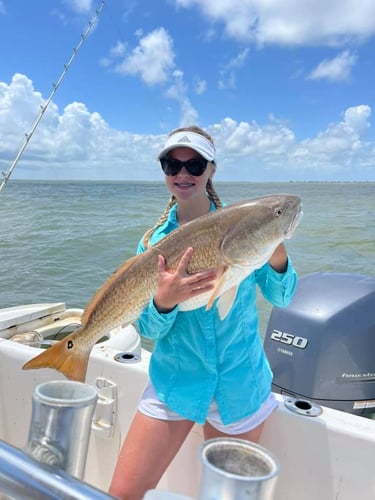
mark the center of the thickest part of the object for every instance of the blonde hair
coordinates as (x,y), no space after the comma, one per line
(211,193)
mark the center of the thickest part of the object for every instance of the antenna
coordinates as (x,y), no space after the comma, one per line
(44,106)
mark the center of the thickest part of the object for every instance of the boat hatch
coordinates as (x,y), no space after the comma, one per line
(19,318)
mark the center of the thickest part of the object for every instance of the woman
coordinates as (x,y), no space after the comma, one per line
(203,370)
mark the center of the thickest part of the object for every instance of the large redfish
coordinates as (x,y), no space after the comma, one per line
(233,240)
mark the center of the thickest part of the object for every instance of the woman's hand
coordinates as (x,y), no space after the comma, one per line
(178,286)
(279,259)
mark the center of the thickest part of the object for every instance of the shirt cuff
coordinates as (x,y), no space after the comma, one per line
(283,276)
(154,324)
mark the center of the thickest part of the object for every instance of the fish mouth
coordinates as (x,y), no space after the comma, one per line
(289,231)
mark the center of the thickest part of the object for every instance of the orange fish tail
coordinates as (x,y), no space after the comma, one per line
(65,356)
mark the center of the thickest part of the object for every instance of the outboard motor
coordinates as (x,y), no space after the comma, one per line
(322,346)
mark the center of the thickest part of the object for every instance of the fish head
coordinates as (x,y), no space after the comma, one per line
(290,211)
(258,226)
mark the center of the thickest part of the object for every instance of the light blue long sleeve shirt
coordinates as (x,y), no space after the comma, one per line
(198,357)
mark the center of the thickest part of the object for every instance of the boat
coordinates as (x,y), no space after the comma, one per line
(324,453)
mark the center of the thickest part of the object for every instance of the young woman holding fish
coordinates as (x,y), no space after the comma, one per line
(207,366)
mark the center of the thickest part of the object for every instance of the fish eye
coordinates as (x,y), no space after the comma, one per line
(278,211)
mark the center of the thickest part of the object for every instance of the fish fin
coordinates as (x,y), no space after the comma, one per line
(103,290)
(226,301)
(65,356)
(216,291)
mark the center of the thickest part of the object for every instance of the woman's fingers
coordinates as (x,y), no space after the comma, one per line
(179,285)
(184,261)
(182,269)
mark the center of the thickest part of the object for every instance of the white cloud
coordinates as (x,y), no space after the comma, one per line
(238,16)
(19,107)
(250,139)
(152,59)
(341,146)
(343,137)
(357,118)
(75,138)
(290,22)
(76,10)
(86,147)
(200,86)
(340,150)
(117,51)
(178,92)
(80,6)
(227,75)
(336,69)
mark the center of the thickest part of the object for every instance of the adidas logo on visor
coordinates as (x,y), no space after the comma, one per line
(185,138)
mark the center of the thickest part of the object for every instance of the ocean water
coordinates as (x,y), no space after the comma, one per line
(59,241)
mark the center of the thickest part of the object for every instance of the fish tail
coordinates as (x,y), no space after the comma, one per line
(65,356)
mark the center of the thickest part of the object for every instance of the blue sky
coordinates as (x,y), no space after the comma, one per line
(286,88)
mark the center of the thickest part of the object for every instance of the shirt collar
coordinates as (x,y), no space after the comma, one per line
(172,216)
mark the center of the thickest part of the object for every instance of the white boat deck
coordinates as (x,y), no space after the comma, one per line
(329,457)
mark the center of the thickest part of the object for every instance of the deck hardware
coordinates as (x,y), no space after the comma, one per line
(59,432)
(237,469)
(303,407)
(104,418)
(127,357)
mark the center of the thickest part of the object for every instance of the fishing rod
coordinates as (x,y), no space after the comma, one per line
(43,107)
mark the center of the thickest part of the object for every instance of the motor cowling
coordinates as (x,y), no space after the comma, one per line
(322,346)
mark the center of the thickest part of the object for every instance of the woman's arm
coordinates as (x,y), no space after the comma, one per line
(279,259)
(277,279)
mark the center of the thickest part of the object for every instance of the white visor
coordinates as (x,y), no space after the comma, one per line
(192,140)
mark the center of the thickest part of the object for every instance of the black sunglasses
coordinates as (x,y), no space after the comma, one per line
(195,166)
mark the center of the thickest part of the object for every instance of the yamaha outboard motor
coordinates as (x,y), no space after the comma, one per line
(322,346)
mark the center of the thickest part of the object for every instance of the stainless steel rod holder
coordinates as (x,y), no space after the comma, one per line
(61,423)
(235,469)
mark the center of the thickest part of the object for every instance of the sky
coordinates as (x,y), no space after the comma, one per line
(286,88)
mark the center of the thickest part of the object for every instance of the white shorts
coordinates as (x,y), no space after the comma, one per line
(151,406)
